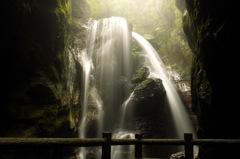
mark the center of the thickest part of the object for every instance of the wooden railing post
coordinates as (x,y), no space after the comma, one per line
(106,149)
(138,147)
(188,146)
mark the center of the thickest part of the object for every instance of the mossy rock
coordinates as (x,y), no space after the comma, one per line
(148,98)
(148,89)
(141,75)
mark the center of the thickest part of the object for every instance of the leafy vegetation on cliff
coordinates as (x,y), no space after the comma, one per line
(169,39)
(65,8)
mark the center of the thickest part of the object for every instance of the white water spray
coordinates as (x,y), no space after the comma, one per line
(179,114)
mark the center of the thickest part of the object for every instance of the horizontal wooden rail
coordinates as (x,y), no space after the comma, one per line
(106,142)
(75,142)
(148,141)
(65,142)
(216,142)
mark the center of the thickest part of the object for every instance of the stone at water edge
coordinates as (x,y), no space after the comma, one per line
(181,155)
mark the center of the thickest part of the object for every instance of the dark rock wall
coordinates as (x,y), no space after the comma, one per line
(40,73)
(211,32)
(41,76)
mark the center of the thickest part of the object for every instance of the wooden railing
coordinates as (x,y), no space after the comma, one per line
(106,142)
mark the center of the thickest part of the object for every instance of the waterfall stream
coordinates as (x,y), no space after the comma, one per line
(107,89)
(179,113)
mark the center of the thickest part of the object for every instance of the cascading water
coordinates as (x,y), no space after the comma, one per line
(106,63)
(107,71)
(123,152)
(179,113)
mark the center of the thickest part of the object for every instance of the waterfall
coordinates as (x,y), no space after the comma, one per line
(107,88)
(106,65)
(179,113)
(181,120)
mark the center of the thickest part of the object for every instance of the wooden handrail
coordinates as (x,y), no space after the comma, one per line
(76,142)
(216,142)
(106,142)
(65,142)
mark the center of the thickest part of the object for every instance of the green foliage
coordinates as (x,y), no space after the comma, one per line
(140,75)
(142,14)
(169,39)
(136,50)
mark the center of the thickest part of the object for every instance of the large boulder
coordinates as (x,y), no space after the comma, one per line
(148,96)
(149,88)
(146,112)
(146,103)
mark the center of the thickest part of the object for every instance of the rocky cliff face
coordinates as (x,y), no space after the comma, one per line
(40,72)
(209,26)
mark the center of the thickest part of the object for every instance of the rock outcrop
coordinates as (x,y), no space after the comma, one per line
(210,30)
(148,92)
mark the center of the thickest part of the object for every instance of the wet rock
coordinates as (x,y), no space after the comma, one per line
(181,155)
(147,98)
(148,95)
(149,88)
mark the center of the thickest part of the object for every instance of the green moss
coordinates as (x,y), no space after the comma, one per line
(138,74)
(65,8)
(144,83)
(196,66)
(201,91)
(56,90)
(187,20)
(199,38)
